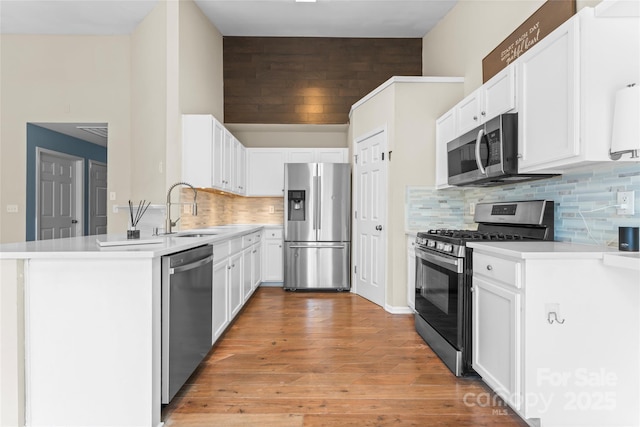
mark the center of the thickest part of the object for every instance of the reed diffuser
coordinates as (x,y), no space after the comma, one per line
(135,217)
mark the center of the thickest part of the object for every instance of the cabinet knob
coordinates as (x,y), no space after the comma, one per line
(489,267)
(475,118)
(472,289)
(483,113)
(279,246)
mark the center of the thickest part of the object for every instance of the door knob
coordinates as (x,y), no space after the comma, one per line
(74,221)
(379,227)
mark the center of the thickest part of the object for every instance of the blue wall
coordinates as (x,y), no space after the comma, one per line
(577,192)
(38,137)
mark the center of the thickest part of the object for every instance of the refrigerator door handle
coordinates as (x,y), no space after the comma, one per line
(315,201)
(319,204)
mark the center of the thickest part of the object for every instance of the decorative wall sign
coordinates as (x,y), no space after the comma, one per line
(543,21)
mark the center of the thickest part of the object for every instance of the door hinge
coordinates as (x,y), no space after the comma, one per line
(355,269)
(355,158)
(390,155)
(383,155)
(356,214)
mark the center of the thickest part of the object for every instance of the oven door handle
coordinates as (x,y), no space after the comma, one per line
(455,264)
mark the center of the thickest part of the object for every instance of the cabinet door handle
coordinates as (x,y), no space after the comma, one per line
(489,267)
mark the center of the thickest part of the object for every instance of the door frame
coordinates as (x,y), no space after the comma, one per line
(79,187)
(90,217)
(355,254)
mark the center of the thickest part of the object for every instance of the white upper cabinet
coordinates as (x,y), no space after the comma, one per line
(241,169)
(197,150)
(566,90)
(332,155)
(317,155)
(301,155)
(265,166)
(445,132)
(218,155)
(266,171)
(211,156)
(496,96)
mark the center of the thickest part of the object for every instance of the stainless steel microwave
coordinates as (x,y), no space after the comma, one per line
(487,155)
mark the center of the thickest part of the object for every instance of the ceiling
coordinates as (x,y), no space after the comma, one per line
(285,18)
(265,18)
(95,133)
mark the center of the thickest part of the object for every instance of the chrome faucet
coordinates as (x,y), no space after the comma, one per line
(168,223)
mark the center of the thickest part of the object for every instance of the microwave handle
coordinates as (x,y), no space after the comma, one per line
(478,160)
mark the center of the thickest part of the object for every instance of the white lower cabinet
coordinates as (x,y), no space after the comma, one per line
(256,266)
(220,297)
(235,284)
(236,274)
(273,256)
(411,272)
(273,270)
(496,338)
(551,333)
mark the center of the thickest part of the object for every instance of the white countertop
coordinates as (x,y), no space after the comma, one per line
(560,250)
(87,246)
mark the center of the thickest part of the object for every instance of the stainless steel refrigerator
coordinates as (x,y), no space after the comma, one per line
(317,231)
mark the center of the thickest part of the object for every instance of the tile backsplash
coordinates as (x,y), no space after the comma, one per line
(215,208)
(588,192)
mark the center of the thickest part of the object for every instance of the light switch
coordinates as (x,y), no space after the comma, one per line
(112,195)
(12,208)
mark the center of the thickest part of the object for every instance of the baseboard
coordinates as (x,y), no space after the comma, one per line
(398,309)
(271,284)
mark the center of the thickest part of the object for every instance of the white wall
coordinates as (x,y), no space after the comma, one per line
(61,79)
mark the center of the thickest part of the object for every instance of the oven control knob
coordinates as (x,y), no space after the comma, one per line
(431,243)
(448,248)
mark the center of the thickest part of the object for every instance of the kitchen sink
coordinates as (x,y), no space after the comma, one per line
(195,234)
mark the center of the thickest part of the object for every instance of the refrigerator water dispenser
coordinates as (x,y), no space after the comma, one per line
(297,206)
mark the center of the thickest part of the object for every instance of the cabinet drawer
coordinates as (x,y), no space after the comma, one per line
(257,237)
(251,239)
(271,233)
(220,251)
(497,269)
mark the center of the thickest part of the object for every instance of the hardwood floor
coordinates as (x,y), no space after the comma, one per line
(328,359)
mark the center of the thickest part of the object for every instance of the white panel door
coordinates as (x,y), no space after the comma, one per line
(370,178)
(97,198)
(58,187)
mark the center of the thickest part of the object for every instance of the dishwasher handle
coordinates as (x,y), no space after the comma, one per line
(317,247)
(192,265)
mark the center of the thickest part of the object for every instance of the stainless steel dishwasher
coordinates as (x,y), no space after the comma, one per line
(186,315)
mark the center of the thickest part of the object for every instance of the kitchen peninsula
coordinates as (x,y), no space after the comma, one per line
(91,339)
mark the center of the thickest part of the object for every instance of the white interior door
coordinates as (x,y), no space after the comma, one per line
(59,190)
(97,197)
(370,180)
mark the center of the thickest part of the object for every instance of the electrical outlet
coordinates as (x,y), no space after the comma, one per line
(12,208)
(472,208)
(626,203)
(272,209)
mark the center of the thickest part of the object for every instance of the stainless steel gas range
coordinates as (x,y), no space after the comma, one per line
(444,273)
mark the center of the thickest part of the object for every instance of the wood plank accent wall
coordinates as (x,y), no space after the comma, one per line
(308,80)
